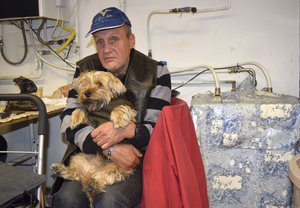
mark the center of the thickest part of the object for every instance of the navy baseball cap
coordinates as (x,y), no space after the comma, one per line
(107,19)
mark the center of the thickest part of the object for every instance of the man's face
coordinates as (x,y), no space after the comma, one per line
(113,48)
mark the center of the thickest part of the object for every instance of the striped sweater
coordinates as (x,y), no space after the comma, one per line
(160,96)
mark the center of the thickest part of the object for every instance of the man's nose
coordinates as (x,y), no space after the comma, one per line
(107,48)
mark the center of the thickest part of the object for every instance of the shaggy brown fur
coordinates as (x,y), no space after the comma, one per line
(96,89)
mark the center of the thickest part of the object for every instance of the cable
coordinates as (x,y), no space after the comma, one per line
(43,59)
(64,45)
(38,33)
(71,37)
(54,52)
(191,79)
(69,50)
(25,47)
(56,25)
(211,69)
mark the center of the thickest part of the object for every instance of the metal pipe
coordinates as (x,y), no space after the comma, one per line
(211,69)
(19,152)
(179,10)
(232,82)
(264,71)
(238,69)
(228,69)
(261,67)
(40,155)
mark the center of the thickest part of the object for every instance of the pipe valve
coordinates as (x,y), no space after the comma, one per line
(184,10)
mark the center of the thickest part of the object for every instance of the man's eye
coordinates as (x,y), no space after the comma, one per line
(114,40)
(100,42)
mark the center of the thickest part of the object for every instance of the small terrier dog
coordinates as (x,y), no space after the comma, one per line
(102,97)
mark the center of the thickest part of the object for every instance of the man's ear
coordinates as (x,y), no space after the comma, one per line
(132,40)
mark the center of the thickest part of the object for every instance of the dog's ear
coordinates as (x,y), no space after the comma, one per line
(80,80)
(115,85)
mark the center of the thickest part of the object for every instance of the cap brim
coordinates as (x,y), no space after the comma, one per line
(103,28)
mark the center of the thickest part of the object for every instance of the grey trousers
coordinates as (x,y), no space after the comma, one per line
(125,194)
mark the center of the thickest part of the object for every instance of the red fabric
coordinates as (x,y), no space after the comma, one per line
(173,173)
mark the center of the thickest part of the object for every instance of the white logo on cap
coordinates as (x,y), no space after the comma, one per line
(103,13)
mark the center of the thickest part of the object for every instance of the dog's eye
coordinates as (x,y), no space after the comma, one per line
(99,84)
(87,94)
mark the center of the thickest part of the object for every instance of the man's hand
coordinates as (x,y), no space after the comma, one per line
(125,155)
(106,135)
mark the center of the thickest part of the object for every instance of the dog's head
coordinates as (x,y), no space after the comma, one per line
(96,89)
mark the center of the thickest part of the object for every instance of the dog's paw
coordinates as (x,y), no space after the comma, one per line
(56,168)
(79,116)
(61,170)
(122,115)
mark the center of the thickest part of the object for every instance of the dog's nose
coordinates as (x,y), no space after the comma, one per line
(87,94)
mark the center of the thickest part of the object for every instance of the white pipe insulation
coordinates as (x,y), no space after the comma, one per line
(211,69)
(264,71)
(188,10)
(180,10)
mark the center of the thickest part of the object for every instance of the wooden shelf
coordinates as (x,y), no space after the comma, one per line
(16,124)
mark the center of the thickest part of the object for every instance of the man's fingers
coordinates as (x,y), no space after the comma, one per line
(105,146)
(137,153)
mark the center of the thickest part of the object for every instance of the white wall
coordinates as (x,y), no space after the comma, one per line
(263,31)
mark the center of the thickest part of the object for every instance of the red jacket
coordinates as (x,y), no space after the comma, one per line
(173,173)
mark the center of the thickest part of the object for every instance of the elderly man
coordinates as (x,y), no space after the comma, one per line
(147,80)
